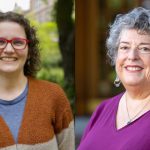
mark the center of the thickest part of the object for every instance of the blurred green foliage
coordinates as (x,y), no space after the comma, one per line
(51,59)
(114,4)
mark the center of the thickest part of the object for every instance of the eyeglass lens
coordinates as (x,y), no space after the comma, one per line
(17,43)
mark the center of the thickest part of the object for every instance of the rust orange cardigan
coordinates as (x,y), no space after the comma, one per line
(47,122)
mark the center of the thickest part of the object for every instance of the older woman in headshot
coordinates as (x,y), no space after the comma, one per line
(34,114)
(123,122)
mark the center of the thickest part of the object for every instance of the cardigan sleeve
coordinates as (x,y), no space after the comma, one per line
(64,122)
(66,139)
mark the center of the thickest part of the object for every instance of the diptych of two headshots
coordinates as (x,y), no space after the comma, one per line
(36,114)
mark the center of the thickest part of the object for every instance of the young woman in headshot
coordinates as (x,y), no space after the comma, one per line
(123,122)
(34,114)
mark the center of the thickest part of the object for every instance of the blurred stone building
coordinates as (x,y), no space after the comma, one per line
(40,10)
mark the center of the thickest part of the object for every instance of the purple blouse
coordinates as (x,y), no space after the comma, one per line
(102,134)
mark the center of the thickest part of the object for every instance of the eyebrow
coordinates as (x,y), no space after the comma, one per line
(144,43)
(139,44)
(124,42)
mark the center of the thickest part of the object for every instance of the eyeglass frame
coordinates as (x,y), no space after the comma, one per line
(10,41)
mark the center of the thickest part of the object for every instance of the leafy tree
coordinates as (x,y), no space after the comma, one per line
(63,10)
(65,23)
(50,55)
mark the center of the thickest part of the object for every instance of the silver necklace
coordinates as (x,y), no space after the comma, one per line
(131,119)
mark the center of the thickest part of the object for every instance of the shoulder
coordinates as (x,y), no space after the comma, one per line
(42,83)
(104,109)
(45,86)
(48,91)
(107,103)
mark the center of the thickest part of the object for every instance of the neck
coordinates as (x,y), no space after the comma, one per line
(136,105)
(12,85)
(138,93)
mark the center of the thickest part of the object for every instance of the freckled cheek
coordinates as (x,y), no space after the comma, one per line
(148,74)
(146,63)
(119,61)
(22,53)
(1,52)
(119,64)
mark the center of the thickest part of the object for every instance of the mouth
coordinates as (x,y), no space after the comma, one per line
(133,68)
(8,59)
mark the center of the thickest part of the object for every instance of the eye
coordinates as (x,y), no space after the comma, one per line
(123,48)
(144,50)
(18,42)
(2,42)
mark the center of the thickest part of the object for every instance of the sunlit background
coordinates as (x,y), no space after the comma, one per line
(9,6)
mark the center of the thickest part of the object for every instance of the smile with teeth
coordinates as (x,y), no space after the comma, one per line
(8,59)
(133,68)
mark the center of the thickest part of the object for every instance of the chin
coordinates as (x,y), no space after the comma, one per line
(8,70)
(133,79)
(132,83)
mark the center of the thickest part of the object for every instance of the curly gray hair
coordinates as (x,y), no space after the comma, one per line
(138,18)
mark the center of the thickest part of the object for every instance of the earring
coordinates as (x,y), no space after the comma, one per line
(117,82)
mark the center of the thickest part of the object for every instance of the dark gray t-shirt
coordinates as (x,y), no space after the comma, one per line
(12,112)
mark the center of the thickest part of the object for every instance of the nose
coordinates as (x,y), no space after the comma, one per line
(8,48)
(133,54)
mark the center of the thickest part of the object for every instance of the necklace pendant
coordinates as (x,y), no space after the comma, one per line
(128,122)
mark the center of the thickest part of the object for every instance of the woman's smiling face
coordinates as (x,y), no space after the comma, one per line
(133,58)
(11,60)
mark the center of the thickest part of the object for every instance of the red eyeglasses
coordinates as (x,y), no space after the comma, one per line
(17,43)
